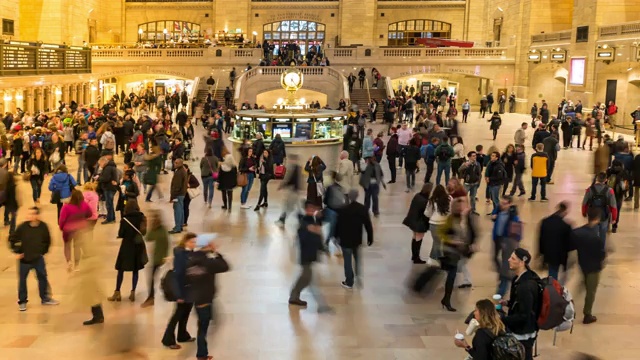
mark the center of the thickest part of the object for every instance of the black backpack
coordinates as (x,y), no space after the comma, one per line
(501,172)
(471,175)
(443,153)
(506,347)
(600,200)
(168,286)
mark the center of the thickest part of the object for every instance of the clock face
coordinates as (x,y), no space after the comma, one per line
(292,80)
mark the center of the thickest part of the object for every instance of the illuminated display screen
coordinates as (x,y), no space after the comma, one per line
(576,77)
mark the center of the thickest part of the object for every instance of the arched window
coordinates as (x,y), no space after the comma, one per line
(304,33)
(406,32)
(175,29)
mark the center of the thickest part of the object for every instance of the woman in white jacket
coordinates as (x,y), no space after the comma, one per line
(458,155)
(437,212)
(344,172)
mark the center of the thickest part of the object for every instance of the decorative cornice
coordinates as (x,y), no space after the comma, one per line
(420,5)
(170,6)
(295,6)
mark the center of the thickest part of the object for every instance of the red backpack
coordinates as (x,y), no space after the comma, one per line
(552,304)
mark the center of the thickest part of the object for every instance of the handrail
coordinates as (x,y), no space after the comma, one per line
(215,90)
(366,82)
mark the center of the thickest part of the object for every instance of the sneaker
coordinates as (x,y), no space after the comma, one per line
(614,230)
(532,199)
(51,302)
(298,302)
(544,200)
(245,206)
(464,286)
(22,307)
(346,286)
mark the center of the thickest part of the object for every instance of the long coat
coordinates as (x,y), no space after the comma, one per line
(554,240)
(132,254)
(416,219)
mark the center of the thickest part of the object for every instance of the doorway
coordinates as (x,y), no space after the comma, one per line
(611,91)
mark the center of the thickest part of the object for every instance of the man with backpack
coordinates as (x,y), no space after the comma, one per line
(591,256)
(443,154)
(601,196)
(471,174)
(495,176)
(524,301)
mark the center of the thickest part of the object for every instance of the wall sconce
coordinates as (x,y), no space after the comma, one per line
(558,55)
(534,56)
(93,88)
(19,96)
(58,92)
(605,53)
(7,98)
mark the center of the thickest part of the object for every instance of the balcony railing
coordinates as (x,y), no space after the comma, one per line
(111,54)
(551,37)
(338,55)
(620,30)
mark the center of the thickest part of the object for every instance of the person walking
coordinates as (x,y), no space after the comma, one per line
(508,159)
(618,180)
(495,176)
(154,166)
(551,146)
(458,155)
(310,245)
(278,150)
(209,174)
(30,242)
(344,171)
(443,154)
(265,173)
(470,173)
(506,235)
(202,267)
(600,195)
(411,155)
(179,185)
(417,221)
(520,320)
(437,213)
(108,181)
(539,173)
(404,137)
(247,166)
(158,235)
(520,137)
(635,175)
(315,181)
(554,241)
(371,179)
(518,171)
(291,184)
(352,218)
(495,123)
(227,180)
(60,186)
(393,151)
(184,303)
(72,222)
(132,255)
(466,107)
(38,167)
(591,257)
(192,183)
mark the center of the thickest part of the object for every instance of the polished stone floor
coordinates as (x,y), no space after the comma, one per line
(382,321)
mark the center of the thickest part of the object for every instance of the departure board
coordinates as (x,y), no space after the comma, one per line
(18,57)
(51,56)
(77,59)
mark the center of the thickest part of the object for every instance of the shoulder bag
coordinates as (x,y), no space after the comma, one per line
(319,186)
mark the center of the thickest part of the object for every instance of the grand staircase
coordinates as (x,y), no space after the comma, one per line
(203,91)
(360,97)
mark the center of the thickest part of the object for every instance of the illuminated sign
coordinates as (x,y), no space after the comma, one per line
(576,76)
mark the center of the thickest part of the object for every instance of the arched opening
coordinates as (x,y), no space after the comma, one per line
(167,30)
(301,32)
(406,32)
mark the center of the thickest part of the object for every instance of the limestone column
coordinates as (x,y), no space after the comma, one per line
(20,100)
(3,102)
(29,101)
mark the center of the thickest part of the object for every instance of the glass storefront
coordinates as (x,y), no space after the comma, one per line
(175,29)
(305,33)
(290,129)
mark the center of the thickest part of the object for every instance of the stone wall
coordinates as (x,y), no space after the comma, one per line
(10,9)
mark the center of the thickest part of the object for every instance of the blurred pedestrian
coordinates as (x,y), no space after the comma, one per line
(158,235)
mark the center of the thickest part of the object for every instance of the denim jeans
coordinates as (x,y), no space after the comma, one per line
(429,172)
(16,162)
(348,254)
(245,189)
(207,186)
(517,183)
(140,175)
(41,273)
(410,176)
(543,187)
(178,212)
(331,217)
(603,227)
(503,285)
(401,157)
(204,317)
(443,167)
(36,187)
(371,197)
(10,219)
(494,195)
(108,199)
(82,170)
(472,189)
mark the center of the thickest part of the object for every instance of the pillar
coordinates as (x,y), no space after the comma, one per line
(20,100)
(357,22)
(30,101)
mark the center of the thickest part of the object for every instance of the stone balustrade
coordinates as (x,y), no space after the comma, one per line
(620,30)
(558,36)
(388,55)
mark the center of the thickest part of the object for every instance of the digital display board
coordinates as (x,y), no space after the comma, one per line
(50,58)
(77,59)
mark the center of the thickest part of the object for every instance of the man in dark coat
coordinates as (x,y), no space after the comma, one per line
(178,188)
(109,184)
(351,220)
(554,240)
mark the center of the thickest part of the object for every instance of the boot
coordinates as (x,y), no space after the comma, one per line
(115,297)
(98,316)
(147,303)
(132,296)
(415,246)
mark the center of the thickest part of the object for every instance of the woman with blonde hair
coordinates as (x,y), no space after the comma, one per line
(490,327)
(181,254)
(73,219)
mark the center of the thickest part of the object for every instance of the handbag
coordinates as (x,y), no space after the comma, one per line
(242,179)
(139,240)
(214,174)
(193,192)
(26,176)
(319,186)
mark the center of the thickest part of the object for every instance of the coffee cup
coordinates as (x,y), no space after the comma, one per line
(473,326)
(459,336)
(496,300)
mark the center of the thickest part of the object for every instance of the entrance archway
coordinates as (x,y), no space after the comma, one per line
(302,32)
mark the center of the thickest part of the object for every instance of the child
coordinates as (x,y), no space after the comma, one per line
(156,233)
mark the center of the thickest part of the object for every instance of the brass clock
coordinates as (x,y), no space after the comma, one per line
(291,79)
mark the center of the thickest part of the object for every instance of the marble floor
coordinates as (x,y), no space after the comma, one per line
(382,321)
